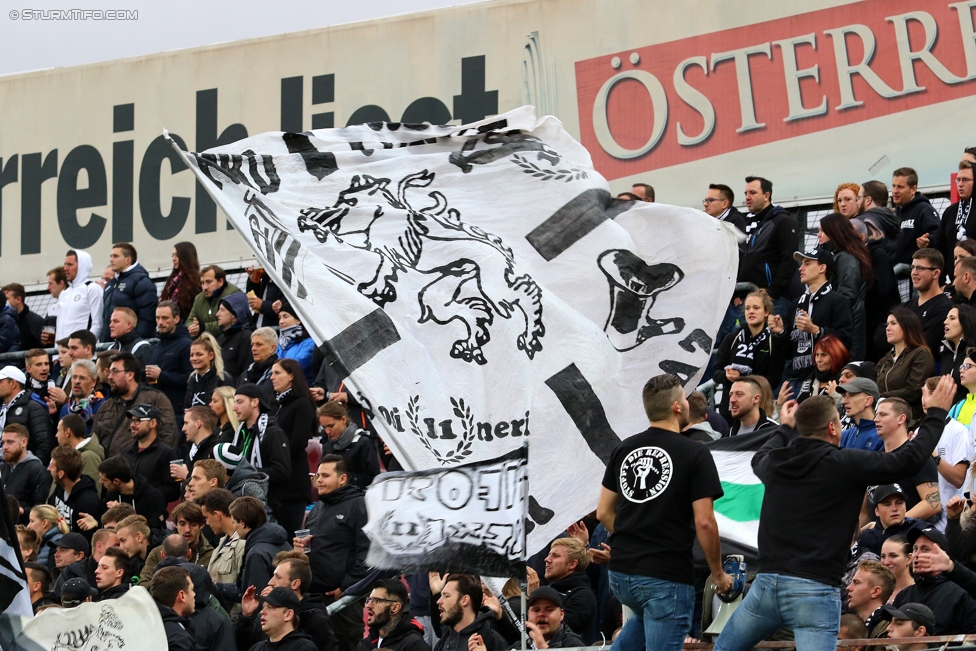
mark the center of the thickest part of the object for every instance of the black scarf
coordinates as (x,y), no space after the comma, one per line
(744,348)
(804,340)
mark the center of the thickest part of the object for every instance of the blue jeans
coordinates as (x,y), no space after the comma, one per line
(809,608)
(662,612)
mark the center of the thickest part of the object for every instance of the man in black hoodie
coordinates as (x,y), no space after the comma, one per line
(74,493)
(767,260)
(168,362)
(337,547)
(959,219)
(172,590)
(461,616)
(919,219)
(210,626)
(814,491)
(263,541)
(120,485)
(389,621)
(261,442)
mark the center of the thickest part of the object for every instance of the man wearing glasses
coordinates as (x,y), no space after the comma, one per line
(111,424)
(389,621)
(958,220)
(931,305)
(718,203)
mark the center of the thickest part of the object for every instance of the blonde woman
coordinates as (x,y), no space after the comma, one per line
(222,402)
(208,371)
(48,525)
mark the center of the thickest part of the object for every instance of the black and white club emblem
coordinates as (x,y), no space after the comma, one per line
(645,473)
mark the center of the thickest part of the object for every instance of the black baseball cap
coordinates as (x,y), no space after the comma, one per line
(252,390)
(145,412)
(75,591)
(863,369)
(931,533)
(545,592)
(823,256)
(886,490)
(281,598)
(74,541)
(915,612)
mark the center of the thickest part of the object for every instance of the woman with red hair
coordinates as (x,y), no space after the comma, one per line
(830,355)
(845,199)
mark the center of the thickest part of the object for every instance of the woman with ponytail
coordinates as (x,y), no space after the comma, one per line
(48,524)
(208,371)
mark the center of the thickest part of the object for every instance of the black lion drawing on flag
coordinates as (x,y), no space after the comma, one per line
(410,239)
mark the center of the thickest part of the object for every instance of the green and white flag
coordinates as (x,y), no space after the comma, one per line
(737,512)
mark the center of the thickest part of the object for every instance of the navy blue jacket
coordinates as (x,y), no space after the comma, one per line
(135,290)
(172,356)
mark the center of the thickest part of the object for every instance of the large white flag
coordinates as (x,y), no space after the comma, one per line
(478,285)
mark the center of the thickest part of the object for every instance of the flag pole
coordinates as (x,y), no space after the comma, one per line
(525,547)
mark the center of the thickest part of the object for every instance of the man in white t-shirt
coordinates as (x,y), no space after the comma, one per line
(952,455)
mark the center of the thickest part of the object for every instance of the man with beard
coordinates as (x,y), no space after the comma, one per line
(653,522)
(74,493)
(85,399)
(168,362)
(111,425)
(461,615)
(22,473)
(150,457)
(389,621)
(17,406)
(747,415)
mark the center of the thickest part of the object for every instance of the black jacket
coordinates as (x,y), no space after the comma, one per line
(850,283)
(947,231)
(172,356)
(260,548)
(268,292)
(132,343)
(408,635)
(950,359)
(83,499)
(275,457)
(768,257)
(135,290)
(153,464)
(259,373)
(735,218)
(147,500)
(579,604)
(451,640)
(954,608)
(831,312)
(339,546)
(918,217)
(313,620)
(199,389)
(235,346)
(813,542)
(9,331)
(26,411)
(297,640)
(29,481)
(83,569)
(211,629)
(179,631)
(763,423)
(361,455)
(113,593)
(881,297)
(295,416)
(31,325)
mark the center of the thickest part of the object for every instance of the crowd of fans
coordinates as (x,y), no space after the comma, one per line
(210,455)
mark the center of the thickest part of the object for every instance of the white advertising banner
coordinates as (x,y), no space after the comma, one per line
(808,93)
